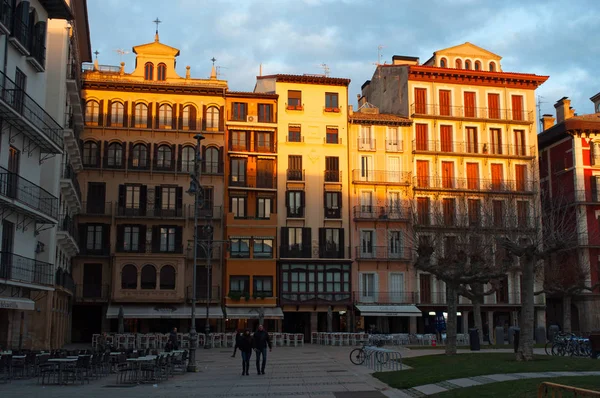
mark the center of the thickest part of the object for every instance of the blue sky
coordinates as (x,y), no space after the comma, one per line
(550,37)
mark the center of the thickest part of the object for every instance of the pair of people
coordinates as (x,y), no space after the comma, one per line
(246,343)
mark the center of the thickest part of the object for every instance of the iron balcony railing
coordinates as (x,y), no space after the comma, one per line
(467,148)
(102,251)
(17,188)
(37,49)
(400,213)
(151,212)
(69,174)
(20,31)
(394,145)
(385,253)
(93,292)
(376,297)
(295,251)
(17,99)
(26,270)
(473,184)
(67,224)
(466,112)
(101,68)
(201,295)
(246,181)
(295,175)
(333,176)
(5,14)
(381,177)
(97,208)
(366,144)
(204,212)
(65,280)
(202,252)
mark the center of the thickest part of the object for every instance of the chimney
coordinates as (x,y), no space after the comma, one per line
(563,109)
(547,121)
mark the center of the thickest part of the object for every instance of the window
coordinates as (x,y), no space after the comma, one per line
(520,148)
(443,63)
(294,239)
(131,200)
(131,238)
(445,102)
(148,277)
(368,287)
(497,177)
(90,153)
(167,278)
(264,141)
(129,277)
(149,71)
(211,160)
(294,99)
(92,113)
(188,118)
(395,249)
(448,175)
(265,113)
(165,116)
(300,282)
(517,107)
(470,102)
(294,134)
(473,176)
(523,214)
(423,173)
(162,72)
(331,242)
(496,142)
(114,155)
(164,155)
(294,172)
(420,101)
(212,117)
(94,237)
(422,143)
(238,171)
(265,177)
(263,286)
(446,138)
(188,154)
(239,141)
(393,142)
(168,197)
(492,67)
(449,211)
(498,213)
(332,169)
(240,248)
(423,211)
(458,64)
(167,239)
(394,205)
(472,140)
(331,135)
(139,156)
(239,284)
(264,207)
(333,204)
(477,65)
(206,207)
(239,111)
(140,116)
(263,248)
(331,102)
(238,207)
(366,243)
(521,177)
(467,64)
(295,203)
(116,114)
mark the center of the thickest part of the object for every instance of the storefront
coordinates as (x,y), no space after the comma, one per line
(240,318)
(14,320)
(388,318)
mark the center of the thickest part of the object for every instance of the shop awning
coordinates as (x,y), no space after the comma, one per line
(389,310)
(252,312)
(163,311)
(13,303)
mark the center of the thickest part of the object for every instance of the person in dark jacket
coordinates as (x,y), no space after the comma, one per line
(238,335)
(173,339)
(260,342)
(245,345)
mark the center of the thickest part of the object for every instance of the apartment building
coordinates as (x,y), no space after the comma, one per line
(314,260)
(474,149)
(136,227)
(30,138)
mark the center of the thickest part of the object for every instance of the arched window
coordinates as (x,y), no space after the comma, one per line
(129,277)
(90,153)
(141,116)
(162,72)
(92,113)
(211,160)
(188,118)
(477,65)
(114,155)
(492,67)
(163,157)
(187,158)
(443,63)
(116,114)
(458,64)
(167,278)
(212,118)
(149,71)
(139,156)
(467,64)
(165,116)
(148,280)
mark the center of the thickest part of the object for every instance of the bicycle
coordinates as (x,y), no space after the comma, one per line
(359,355)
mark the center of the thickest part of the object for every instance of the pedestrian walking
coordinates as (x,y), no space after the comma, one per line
(238,335)
(261,341)
(173,339)
(245,345)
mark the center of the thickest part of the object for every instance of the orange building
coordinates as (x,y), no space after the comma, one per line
(250,272)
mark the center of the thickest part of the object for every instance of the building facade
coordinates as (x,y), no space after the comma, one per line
(136,227)
(473,146)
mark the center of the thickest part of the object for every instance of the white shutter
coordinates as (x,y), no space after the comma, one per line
(396,287)
(376,287)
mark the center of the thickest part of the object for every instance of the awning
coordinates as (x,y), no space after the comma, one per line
(12,303)
(389,310)
(252,312)
(163,311)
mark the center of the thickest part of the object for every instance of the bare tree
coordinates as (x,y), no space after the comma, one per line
(476,292)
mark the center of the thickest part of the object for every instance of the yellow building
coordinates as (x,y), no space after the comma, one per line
(312,208)
(136,227)
(473,146)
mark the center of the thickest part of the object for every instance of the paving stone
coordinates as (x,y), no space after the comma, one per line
(464,382)
(430,389)
(501,377)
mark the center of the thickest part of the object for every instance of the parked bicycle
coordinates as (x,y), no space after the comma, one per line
(359,355)
(569,344)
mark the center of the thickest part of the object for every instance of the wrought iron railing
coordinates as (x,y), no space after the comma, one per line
(69,174)
(467,112)
(383,213)
(27,270)
(473,184)
(381,177)
(472,148)
(15,187)
(376,297)
(392,252)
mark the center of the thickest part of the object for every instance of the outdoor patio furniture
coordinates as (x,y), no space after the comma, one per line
(6,368)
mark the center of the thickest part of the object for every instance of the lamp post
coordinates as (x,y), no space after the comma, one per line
(208,248)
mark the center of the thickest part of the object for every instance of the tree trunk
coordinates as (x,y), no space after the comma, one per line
(477,317)
(525,351)
(566,307)
(452,301)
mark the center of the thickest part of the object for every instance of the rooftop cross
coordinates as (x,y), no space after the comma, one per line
(213,59)
(96,53)
(157,21)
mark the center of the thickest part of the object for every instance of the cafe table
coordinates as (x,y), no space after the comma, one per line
(61,363)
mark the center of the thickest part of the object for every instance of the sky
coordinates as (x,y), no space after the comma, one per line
(545,37)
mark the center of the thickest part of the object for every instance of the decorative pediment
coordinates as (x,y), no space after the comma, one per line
(468,49)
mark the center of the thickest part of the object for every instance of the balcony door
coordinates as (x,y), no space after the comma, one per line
(8,240)
(264,173)
(92,281)
(366,140)
(396,282)
(497,177)
(393,169)
(366,168)
(96,197)
(366,244)
(366,203)
(14,157)
(20,87)
(425,288)
(368,288)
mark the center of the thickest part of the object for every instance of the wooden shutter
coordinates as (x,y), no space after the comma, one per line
(157,198)
(342,246)
(285,233)
(287,202)
(448,174)
(493,106)
(173,151)
(155,156)
(203,117)
(105,158)
(322,242)
(98,151)
(497,176)
(180,118)
(149,115)
(155,238)
(134,116)
(174,117)
(472,141)
(222,119)
(123,147)
(109,113)
(125,114)
(446,138)
(470,110)
(203,159)
(423,173)
(472,176)
(420,101)
(148,152)
(306,242)
(520,177)
(178,239)
(220,165)
(445,109)
(302,203)
(101,113)
(106,237)
(517,107)
(120,237)
(82,235)
(143,199)
(179,200)
(193,117)
(156,115)
(422,139)
(179,160)
(142,239)
(130,155)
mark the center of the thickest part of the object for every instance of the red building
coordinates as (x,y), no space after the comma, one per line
(570,173)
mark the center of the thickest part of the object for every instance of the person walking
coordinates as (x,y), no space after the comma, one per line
(245,345)
(173,339)
(238,335)
(261,341)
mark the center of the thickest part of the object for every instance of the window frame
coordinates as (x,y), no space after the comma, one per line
(114,155)
(265,113)
(92,113)
(239,111)
(212,117)
(90,159)
(238,203)
(169,234)
(239,253)
(117,114)
(163,286)
(145,285)
(260,280)
(140,115)
(165,117)
(264,206)
(139,156)
(131,238)
(149,71)
(245,281)
(161,72)
(332,102)
(163,162)
(260,242)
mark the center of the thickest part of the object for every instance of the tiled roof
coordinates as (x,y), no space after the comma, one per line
(379,117)
(592,117)
(308,79)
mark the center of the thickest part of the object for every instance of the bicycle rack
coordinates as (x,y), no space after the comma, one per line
(382,359)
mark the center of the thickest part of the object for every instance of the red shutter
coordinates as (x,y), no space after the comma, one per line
(448,174)
(203,117)
(193,116)
(446,138)
(125,114)
(472,176)
(497,176)
(133,115)
(149,118)
(109,113)
(493,106)
(445,103)
(222,119)
(423,173)
(517,107)
(422,143)
(420,101)
(470,110)
(520,176)
(180,118)
(101,113)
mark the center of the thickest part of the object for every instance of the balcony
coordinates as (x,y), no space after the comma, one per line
(6,14)
(295,175)
(380,177)
(74,79)
(94,251)
(382,213)
(24,114)
(67,235)
(471,113)
(25,196)
(383,253)
(91,293)
(295,251)
(316,298)
(424,183)
(333,251)
(19,35)
(64,280)
(201,295)
(253,182)
(206,212)
(472,149)
(71,136)
(150,212)
(400,297)
(25,270)
(333,176)
(394,146)
(37,53)
(98,209)
(70,188)
(367,144)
